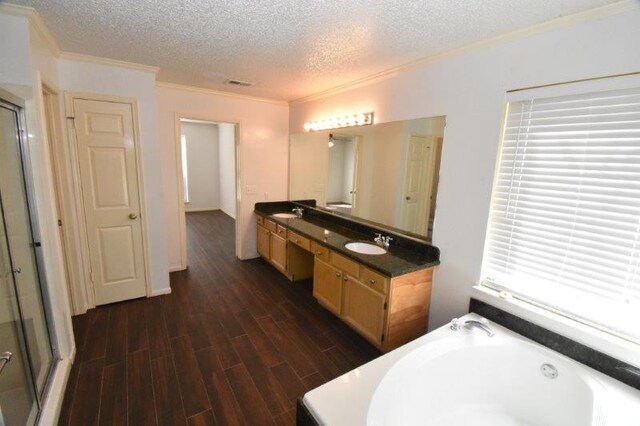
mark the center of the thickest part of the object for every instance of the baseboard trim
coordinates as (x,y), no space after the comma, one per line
(161,291)
(55,393)
(206,209)
(228,214)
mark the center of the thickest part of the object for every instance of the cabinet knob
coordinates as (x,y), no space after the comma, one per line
(345,278)
(372,281)
(338,274)
(319,253)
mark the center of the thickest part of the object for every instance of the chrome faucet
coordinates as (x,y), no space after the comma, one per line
(483,325)
(298,211)
(382,240)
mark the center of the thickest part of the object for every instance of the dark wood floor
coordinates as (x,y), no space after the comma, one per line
(235,343)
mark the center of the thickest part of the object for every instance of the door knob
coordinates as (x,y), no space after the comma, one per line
(407,198)
(133,216)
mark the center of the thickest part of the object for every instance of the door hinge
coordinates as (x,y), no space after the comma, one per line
(91,275)
(59,222)
(385,306)
(382,338)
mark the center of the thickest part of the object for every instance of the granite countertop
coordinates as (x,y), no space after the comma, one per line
(397,261)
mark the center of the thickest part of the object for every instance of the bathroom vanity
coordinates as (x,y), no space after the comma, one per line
(384,297)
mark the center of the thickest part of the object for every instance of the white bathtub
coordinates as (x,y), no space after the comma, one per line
(465,377)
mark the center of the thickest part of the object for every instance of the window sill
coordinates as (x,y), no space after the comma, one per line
(611,345)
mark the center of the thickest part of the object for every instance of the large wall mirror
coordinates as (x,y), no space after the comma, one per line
(385,173)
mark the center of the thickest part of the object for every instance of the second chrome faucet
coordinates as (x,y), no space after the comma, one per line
(483,325)
(382,241)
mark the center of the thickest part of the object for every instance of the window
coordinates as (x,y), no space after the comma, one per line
(185,174)
(564,225)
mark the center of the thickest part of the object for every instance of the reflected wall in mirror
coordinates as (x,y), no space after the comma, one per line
(385,173)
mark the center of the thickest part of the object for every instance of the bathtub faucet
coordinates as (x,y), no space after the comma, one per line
(456,325)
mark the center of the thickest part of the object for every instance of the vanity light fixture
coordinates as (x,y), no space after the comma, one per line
(363,119)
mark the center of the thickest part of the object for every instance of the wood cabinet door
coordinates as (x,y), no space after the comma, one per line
(363,309)
(263,241)
(327,285)
(278,253)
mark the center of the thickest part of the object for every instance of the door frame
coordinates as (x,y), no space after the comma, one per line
(57,149)
(178,116)
(69,98)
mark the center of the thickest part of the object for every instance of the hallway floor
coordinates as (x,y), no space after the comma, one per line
(235,343)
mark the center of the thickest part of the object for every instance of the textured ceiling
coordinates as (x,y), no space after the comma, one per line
(289,48)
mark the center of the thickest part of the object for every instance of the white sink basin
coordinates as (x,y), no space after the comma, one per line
(364,248)
(284,215)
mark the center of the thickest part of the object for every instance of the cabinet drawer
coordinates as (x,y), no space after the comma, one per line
(270,225)
(347,265)
(321,252)
(374,280)
(260,220)
(300,240)
(282,231)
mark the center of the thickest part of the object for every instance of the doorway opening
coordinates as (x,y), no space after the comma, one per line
(207,172)
(343,171)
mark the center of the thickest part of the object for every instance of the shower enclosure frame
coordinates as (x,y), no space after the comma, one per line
(17,104)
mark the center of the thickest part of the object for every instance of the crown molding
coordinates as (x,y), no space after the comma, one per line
(202,90)
(36,22)
(564,21)
(106,61)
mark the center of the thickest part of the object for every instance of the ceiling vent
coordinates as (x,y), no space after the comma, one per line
(240,83)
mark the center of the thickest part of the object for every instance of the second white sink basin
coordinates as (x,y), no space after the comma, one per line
(364,248)
(284,215)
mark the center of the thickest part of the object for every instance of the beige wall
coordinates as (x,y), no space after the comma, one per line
(203,166)
(263,135)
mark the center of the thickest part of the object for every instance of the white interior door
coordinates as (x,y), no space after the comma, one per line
(418,183)
(109,180)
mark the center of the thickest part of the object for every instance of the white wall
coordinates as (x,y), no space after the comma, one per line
(470,90)
(335,182)
(15,66)
(309,167)
(349,170)
(77,76)
(263,136)
(227,156)
(203,166)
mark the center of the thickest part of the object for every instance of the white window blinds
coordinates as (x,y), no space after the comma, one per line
(564,226)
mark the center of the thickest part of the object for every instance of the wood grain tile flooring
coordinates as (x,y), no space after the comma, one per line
(235,343)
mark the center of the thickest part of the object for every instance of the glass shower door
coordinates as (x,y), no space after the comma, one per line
(23,324)
(17,396)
